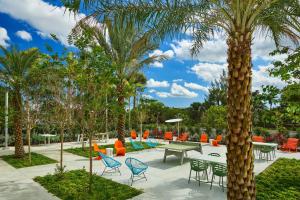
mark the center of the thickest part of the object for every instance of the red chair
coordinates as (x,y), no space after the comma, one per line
(96,149)
(217,140)
(256,138)
(291,144)
(146,134)
(133,134)
(204,138)
(168,136)
(183,137)
(120,149)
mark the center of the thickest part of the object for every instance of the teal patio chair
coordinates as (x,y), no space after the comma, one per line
(136,145)
(110,163)
(198,166)
(151,142)
(219,170)
(137,168)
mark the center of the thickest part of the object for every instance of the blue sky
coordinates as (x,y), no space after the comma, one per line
(177,82)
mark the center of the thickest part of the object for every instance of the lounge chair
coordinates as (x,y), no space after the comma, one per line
(136,145)
(151,142)
(137,168)
(204,137)
(216,141)
(168,136)
(133,134)
(120,149)
(110,163)
(146,134)
(291,144)
(97,150)
(183,137)
(256,138)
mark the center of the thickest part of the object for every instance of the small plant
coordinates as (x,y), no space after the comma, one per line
(60,171)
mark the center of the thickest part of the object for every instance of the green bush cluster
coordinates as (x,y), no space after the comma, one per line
(279,181)
(261,131)
(75,185)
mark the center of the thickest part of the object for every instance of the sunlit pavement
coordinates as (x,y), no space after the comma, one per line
(165,180)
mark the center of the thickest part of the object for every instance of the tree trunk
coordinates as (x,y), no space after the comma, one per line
(240,162)
(28,130)
(134,99)
(91,162)
(61,146)
(121,114)
(17,120)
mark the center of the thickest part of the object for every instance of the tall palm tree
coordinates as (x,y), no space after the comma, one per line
(239,19)
(127,42)
(14,74)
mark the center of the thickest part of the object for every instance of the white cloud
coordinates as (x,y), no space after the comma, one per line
(169,53)
(147,96)
(4,37)
(44,17)
(261,77)
(157,64)
(208,71)
(24,35)
(151,83)
(180,91)
(178,80)
(152,91)
(163,94)
(196,86)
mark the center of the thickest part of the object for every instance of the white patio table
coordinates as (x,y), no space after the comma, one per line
(47,135)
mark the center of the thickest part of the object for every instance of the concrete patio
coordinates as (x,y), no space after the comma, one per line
(165,180)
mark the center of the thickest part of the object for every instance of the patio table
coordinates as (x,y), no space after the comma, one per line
(47,135)
(211,159)
(257,145)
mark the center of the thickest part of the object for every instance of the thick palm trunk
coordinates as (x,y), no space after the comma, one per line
(19,148)
(240,161)
(121,114)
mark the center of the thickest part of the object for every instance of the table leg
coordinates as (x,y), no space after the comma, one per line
(182,157)
(165,156)
(49,140)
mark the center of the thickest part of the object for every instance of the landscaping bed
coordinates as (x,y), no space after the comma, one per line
(75,185)
(85,152)
(36,159)
(281,180)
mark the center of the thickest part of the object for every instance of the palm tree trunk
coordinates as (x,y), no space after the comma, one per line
(28,131)
(240,160)
(121,114)
(19,148)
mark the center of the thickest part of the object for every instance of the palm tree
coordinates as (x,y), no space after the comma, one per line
(239,19)
(14,75)
(127,43)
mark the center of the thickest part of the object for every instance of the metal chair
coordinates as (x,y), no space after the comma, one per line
(137,168)
(218,170)
(110,163)
(136,145)
(151,142)
(266,151)
(198,166)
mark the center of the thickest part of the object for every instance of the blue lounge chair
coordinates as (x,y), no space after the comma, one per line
(136,145)
(151,142)
(137,169)
(110,163)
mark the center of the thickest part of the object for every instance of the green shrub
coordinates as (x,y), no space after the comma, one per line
(280,181)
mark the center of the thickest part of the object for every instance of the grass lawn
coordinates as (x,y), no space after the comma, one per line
(85,152)
(74,185)
(281,180)
(36,159)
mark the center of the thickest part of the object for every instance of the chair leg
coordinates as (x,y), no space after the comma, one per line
(199,178)
(119,171)
(206,175)
(222,184)
(212,178)
(190,176)
(219,180)
(131,179)
(103,171)
(145,176)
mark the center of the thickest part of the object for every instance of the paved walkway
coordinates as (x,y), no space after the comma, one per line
(165,180)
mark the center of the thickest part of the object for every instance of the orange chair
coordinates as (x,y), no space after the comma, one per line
(291,144)
(96,149)
(168,136)
(133,134)
(146,134)
(204,137)
(216,141)
(120,149)
(256,138)
(183,137)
